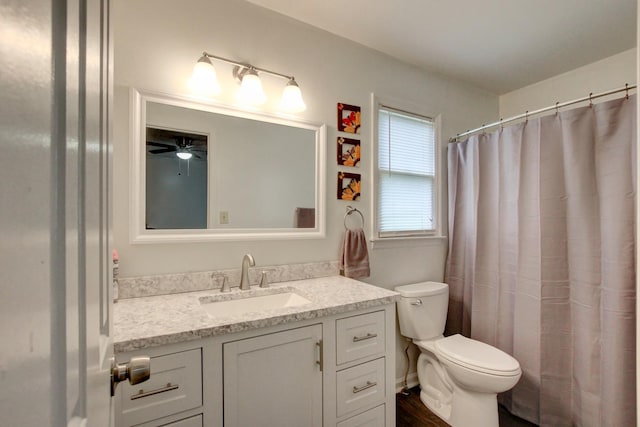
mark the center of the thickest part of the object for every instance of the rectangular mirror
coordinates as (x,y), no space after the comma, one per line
(204,171)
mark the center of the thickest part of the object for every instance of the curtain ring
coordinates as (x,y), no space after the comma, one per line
(626,89)
(557,109)
(501,123)
(590,100)
(526,117)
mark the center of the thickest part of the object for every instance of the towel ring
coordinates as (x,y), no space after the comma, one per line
(350,210)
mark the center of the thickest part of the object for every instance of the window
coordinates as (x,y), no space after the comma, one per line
(406,183)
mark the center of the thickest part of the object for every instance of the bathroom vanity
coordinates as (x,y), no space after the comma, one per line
(323,354)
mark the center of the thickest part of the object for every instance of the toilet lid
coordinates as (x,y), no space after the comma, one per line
(477,356)
(423,289)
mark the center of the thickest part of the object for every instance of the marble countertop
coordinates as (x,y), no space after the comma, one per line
(166,319)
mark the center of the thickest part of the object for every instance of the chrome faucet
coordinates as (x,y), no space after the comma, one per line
(247,261)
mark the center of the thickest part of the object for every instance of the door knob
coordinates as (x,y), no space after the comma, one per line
(137,370)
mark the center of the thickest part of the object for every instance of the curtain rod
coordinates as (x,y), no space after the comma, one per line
(557,106)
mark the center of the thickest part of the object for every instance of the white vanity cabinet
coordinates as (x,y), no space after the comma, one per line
(331,371)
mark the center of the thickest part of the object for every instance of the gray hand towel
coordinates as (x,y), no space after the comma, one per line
(354,257)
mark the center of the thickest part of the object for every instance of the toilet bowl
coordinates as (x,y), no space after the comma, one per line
(459,377)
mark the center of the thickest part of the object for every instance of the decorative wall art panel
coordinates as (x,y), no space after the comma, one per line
(348,152)
(349,186)
(348,118)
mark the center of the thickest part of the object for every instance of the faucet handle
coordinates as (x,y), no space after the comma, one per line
(225,281)
(264,278)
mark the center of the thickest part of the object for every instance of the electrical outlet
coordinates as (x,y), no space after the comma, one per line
(224,217)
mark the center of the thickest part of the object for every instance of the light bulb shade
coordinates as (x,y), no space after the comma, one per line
(251,89)
(204,80)
(292,98)
(184,155)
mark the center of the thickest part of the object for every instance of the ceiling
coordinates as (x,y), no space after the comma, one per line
(498,45)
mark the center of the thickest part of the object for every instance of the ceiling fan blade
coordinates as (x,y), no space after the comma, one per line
(159,144)
(162,150)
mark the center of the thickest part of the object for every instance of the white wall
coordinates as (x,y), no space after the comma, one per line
(156,45)
(608,73)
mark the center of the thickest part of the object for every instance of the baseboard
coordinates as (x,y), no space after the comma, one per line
(412,381)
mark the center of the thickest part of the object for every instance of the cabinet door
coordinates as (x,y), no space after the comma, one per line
(274,380)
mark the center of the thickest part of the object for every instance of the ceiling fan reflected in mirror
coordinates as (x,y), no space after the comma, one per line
(185,145)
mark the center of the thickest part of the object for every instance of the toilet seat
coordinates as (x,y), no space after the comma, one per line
(477,356)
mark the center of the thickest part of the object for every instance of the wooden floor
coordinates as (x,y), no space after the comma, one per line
(411,412)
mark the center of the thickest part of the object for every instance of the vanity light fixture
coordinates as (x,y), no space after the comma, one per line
(291,100)
(204,81)
(251,91)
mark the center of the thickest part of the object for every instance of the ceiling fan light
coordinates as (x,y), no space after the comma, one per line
(251,91)
(184,155)
(291,100)
(204,80)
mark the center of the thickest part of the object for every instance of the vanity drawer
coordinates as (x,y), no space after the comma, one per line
(187,422)
(175,385)
(372,418)
(359,336)
(360,386)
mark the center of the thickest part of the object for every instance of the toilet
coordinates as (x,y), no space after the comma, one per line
(459,377)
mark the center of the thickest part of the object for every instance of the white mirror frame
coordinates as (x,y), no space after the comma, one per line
(138,232)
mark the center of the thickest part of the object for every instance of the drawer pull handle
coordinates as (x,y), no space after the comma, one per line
(320,361)
(364,387)
(143,393)
(365,337)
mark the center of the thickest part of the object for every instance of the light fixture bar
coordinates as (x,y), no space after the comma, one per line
(247,66)
(204,81)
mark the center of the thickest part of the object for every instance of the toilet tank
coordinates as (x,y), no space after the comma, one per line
(422,309)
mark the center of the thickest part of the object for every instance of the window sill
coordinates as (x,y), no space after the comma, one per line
(406,242)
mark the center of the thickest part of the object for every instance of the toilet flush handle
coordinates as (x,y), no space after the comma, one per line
(417,302)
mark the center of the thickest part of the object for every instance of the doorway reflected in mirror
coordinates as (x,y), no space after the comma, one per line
(176,179)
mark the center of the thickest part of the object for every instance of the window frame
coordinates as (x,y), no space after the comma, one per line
(411,110)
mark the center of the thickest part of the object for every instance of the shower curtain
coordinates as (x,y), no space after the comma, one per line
(542,259)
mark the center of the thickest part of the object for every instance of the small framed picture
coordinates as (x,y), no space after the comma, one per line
(348,118)
(348,152)
(348,186)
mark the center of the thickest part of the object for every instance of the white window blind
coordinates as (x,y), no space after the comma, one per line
(406,174)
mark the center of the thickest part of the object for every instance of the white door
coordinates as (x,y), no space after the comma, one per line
(55,94)
(274,380)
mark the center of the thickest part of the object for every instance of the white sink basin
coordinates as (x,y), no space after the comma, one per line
(240,304)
